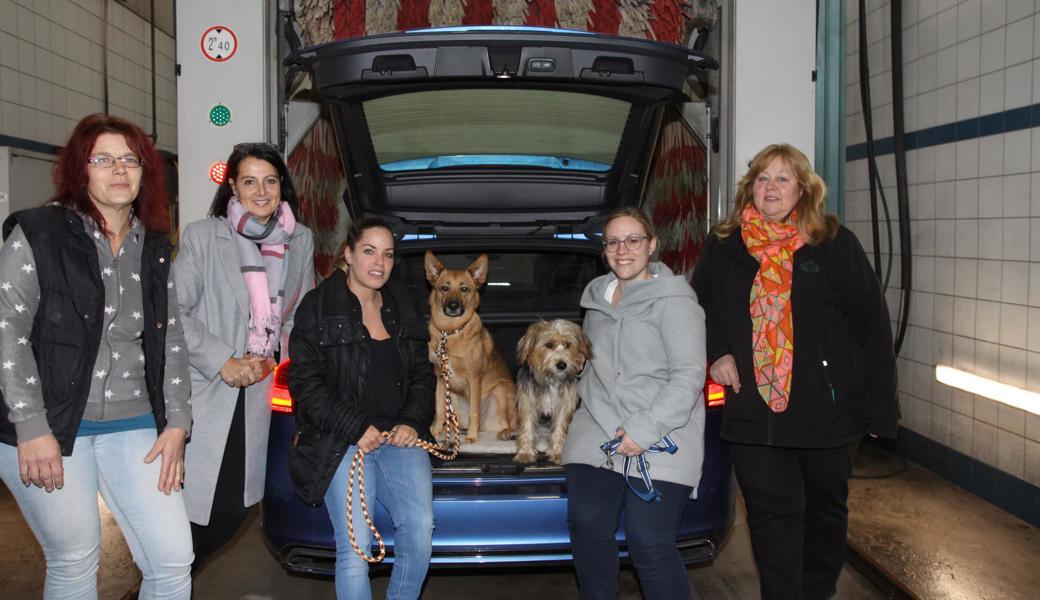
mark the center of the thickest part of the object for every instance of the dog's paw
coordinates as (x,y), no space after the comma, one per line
(525,457)
(436,431)
(471,438)
(554,457)
(506,434)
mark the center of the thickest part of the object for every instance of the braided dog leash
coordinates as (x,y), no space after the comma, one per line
(642,465)
(446,450)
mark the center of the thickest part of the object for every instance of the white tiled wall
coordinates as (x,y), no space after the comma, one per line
(52,63)
(975,215)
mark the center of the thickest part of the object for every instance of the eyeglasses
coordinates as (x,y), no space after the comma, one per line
(632,242)
(104,161)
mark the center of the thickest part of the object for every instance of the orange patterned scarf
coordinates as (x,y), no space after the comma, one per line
(773,245)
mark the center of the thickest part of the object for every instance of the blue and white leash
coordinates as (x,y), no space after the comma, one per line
(665,445)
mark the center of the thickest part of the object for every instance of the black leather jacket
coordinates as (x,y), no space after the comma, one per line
(328,350)
(843,383)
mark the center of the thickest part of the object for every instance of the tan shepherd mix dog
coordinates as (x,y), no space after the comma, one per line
(478,369)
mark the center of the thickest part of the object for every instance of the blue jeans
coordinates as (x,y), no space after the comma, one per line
(67,522)
(399,479)
(595,501)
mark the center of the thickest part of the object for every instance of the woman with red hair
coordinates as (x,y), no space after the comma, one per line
(94,374)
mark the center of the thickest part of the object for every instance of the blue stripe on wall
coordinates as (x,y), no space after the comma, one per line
(1002,122)
(34,146)
(24,144)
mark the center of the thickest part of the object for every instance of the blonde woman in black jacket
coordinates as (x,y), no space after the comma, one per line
(799,333)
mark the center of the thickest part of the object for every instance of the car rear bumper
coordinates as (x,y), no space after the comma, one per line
(486,519)
(322,560)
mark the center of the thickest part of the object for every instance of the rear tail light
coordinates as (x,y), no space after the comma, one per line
(281,399)
(714,394)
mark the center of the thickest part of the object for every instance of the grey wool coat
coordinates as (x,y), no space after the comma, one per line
(646,375)
(214,306)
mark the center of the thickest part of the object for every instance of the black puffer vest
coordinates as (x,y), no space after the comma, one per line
(67,327)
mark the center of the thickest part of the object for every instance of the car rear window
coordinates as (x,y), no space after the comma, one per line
(462,127)
(531,282)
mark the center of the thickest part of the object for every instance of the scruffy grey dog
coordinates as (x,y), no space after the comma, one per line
(550,355)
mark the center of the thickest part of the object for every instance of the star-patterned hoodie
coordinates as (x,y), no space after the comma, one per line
(117,386)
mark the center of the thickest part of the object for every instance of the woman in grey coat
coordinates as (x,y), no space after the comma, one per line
(240,274)
(641,391)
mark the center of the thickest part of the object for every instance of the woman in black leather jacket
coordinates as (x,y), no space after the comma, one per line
(360,368)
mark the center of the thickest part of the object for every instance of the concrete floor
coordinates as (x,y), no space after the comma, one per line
(932,537)
(246,569)
(936,539)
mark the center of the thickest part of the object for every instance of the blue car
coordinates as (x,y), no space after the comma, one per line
(512,142)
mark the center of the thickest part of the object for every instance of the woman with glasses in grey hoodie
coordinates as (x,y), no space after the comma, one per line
(640,394)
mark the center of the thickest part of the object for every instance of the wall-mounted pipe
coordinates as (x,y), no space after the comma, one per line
(104,56)
(155,118)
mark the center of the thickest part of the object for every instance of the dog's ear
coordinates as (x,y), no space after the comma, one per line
(434,267)
(478,270)
(584,345)
(525,346)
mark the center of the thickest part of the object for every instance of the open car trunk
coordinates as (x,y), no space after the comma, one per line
(509,141)
(484,131)
(526,282)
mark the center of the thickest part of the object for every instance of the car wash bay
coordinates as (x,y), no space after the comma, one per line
(950,511)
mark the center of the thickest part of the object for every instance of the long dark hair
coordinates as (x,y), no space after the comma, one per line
(264,152)
(354,233)
(151,206)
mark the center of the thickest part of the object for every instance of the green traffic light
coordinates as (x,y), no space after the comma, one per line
(220,115)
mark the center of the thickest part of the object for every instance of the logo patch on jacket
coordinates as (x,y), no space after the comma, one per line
(811,266)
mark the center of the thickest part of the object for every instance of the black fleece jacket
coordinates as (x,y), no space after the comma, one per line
(329,355)
(844,376)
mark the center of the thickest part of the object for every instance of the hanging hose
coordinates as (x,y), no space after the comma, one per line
(447,450)
(874,177)
(868,126)
(903,201)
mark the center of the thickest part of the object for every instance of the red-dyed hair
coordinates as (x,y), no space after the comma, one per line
(151,206)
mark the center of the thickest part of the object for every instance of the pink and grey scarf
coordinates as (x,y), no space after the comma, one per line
(261,254)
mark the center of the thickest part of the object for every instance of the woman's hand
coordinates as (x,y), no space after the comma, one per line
(262,365)
(724,371)
(370,440)
(39,462)
(242,372)
(628,446)
(170,445)
(404,436)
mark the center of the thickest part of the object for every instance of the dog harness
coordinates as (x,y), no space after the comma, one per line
(642,465)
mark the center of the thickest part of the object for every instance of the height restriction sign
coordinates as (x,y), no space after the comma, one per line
(219,43)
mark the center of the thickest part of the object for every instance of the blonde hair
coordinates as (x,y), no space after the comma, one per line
(634,213)
(811,219)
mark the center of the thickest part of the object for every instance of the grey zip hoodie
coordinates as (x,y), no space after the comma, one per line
(646,375)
